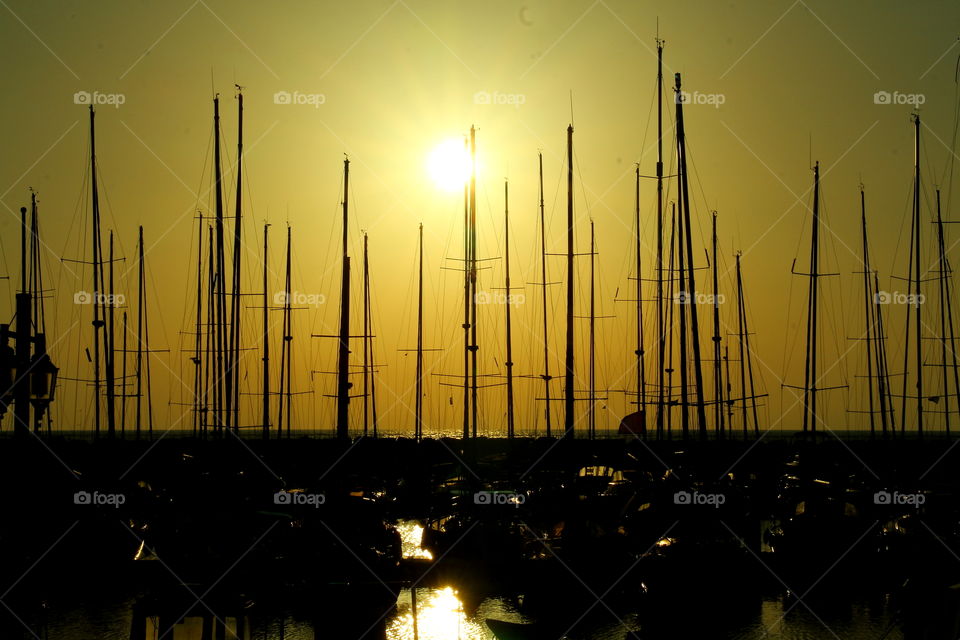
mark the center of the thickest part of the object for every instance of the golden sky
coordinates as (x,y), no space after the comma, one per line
(775,85)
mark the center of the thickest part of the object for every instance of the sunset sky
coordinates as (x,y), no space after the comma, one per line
(775,86)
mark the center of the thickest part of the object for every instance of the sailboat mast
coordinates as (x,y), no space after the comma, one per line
(209,359)
(741,336)
(140,319)
(343,353)
(467,298)
(568,418)
(266,339)
(867,311)
(95,243)
(883,378)
(474,347)
(146,340)
(543,281)
(368,349)
(641,376)
(418,405)
(198,328)
(946,320)
(661,337)
(222,376)
(366,338)
(916,274)
(669,311)
(717,365)
(810,370)
(591,401)
(283,401)
(234,416)
(692,289)
(109,359)
(509,300)
(123,374)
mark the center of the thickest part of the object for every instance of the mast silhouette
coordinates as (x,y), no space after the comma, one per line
(109,344)
(343,352)
(916,282)
(746,359)
(265,375)
(946,323)
(568,417)
(543,279)
(641,375)
(717,364)
(868,319)
(661,337)
(98,322)
(474,347)
(366,338)
(222,376)
(507,290)
(369,393)
(418,405)
(233,397)
(810,370)
(197,369)
(683,224)
(141,325)
(283,401)
(592,396)
(467,298)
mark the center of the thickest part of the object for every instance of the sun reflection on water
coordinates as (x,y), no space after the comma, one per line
(411,538)
(440,616)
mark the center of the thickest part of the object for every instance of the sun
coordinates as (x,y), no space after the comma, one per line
(449,165)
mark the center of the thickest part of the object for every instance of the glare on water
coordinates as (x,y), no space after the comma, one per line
(440,616)
(411,538)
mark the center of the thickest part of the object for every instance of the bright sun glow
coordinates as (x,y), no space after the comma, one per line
(440,616)
(449,165)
